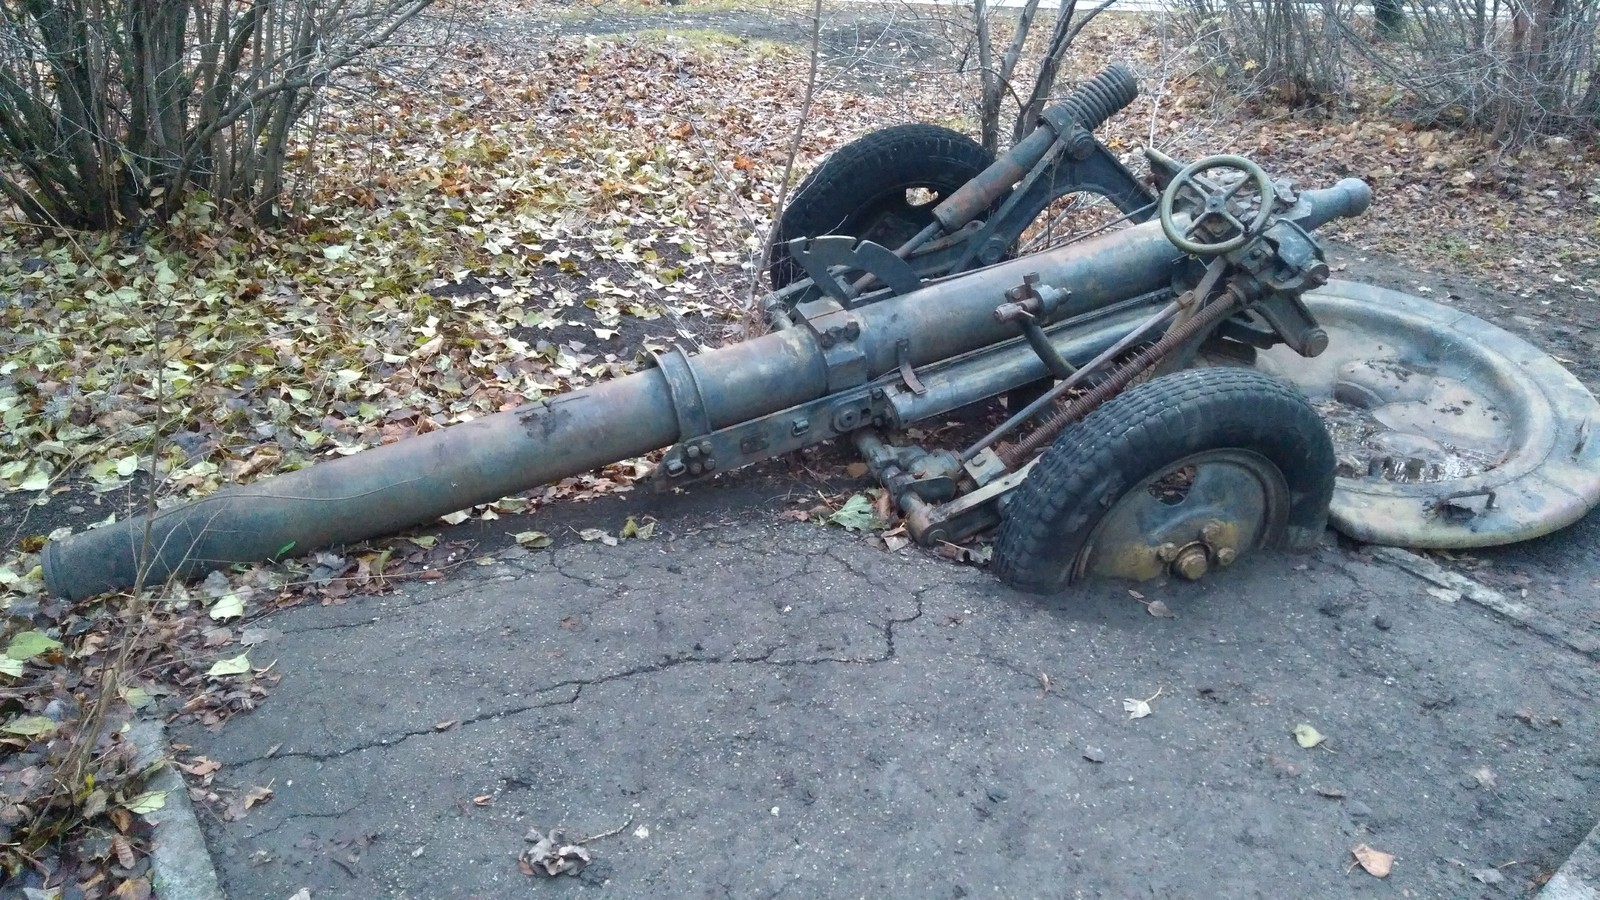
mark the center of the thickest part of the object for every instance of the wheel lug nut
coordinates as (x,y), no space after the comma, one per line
(1167,552)
(1211,532)
(1227,555)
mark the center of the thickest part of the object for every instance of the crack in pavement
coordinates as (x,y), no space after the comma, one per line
(579,685)
(301,815)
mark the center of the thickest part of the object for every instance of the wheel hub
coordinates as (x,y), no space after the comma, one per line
(1190,518)
(1192,563)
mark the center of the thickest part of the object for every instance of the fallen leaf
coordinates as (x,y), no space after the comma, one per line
(239,665)
(855,514)
(123,851)
(1138,709)
(95,804)
(536,540)
(1485,778)
(595,534)
(200,766)
(856,469)
(1306,736)
(1094,754)
(483,800)
(29,726)
(550,855)
(1159,610)
(254,636)
(133,889)
(1332,793)
(446,726)
(1488,876)
(228,606)
(147,802)
(29,644)
(1376,862)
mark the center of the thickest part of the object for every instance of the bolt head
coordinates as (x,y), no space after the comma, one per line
(1212,532)
(1316,341)
(1167,552)
(1227,555)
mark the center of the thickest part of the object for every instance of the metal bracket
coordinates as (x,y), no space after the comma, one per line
(902,353)
(966,515)
(771,435)
(684,389)
(820,256)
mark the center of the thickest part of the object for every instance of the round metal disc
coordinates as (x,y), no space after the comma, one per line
(1452,433)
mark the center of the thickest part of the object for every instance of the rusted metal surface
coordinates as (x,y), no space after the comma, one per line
(1087,108)
(1119,378)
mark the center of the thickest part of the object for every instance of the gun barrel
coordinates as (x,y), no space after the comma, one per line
(385,489)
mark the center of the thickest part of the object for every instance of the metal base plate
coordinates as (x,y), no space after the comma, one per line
(1453,433)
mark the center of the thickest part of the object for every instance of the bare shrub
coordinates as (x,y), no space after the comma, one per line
(1512,68)
(1289,48)
(112,111)
(996,76)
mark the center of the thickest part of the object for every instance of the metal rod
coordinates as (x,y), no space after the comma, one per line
(1024,449)
(1062,387)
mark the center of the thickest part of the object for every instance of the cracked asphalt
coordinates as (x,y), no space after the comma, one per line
(781,710)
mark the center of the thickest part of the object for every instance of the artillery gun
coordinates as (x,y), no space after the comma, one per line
(1150,424)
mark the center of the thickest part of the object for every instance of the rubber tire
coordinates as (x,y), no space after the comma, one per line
(851,185)
(1136,434)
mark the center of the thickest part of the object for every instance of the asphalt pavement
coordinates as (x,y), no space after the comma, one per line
(746,708)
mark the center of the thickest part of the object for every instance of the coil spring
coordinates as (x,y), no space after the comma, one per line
(1102,96)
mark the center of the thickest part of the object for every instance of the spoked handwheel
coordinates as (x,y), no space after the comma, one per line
(1180,475)
(1220,193)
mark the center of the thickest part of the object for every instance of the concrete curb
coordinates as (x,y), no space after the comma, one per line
(1490,599)
(1579,877)
(180,865)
